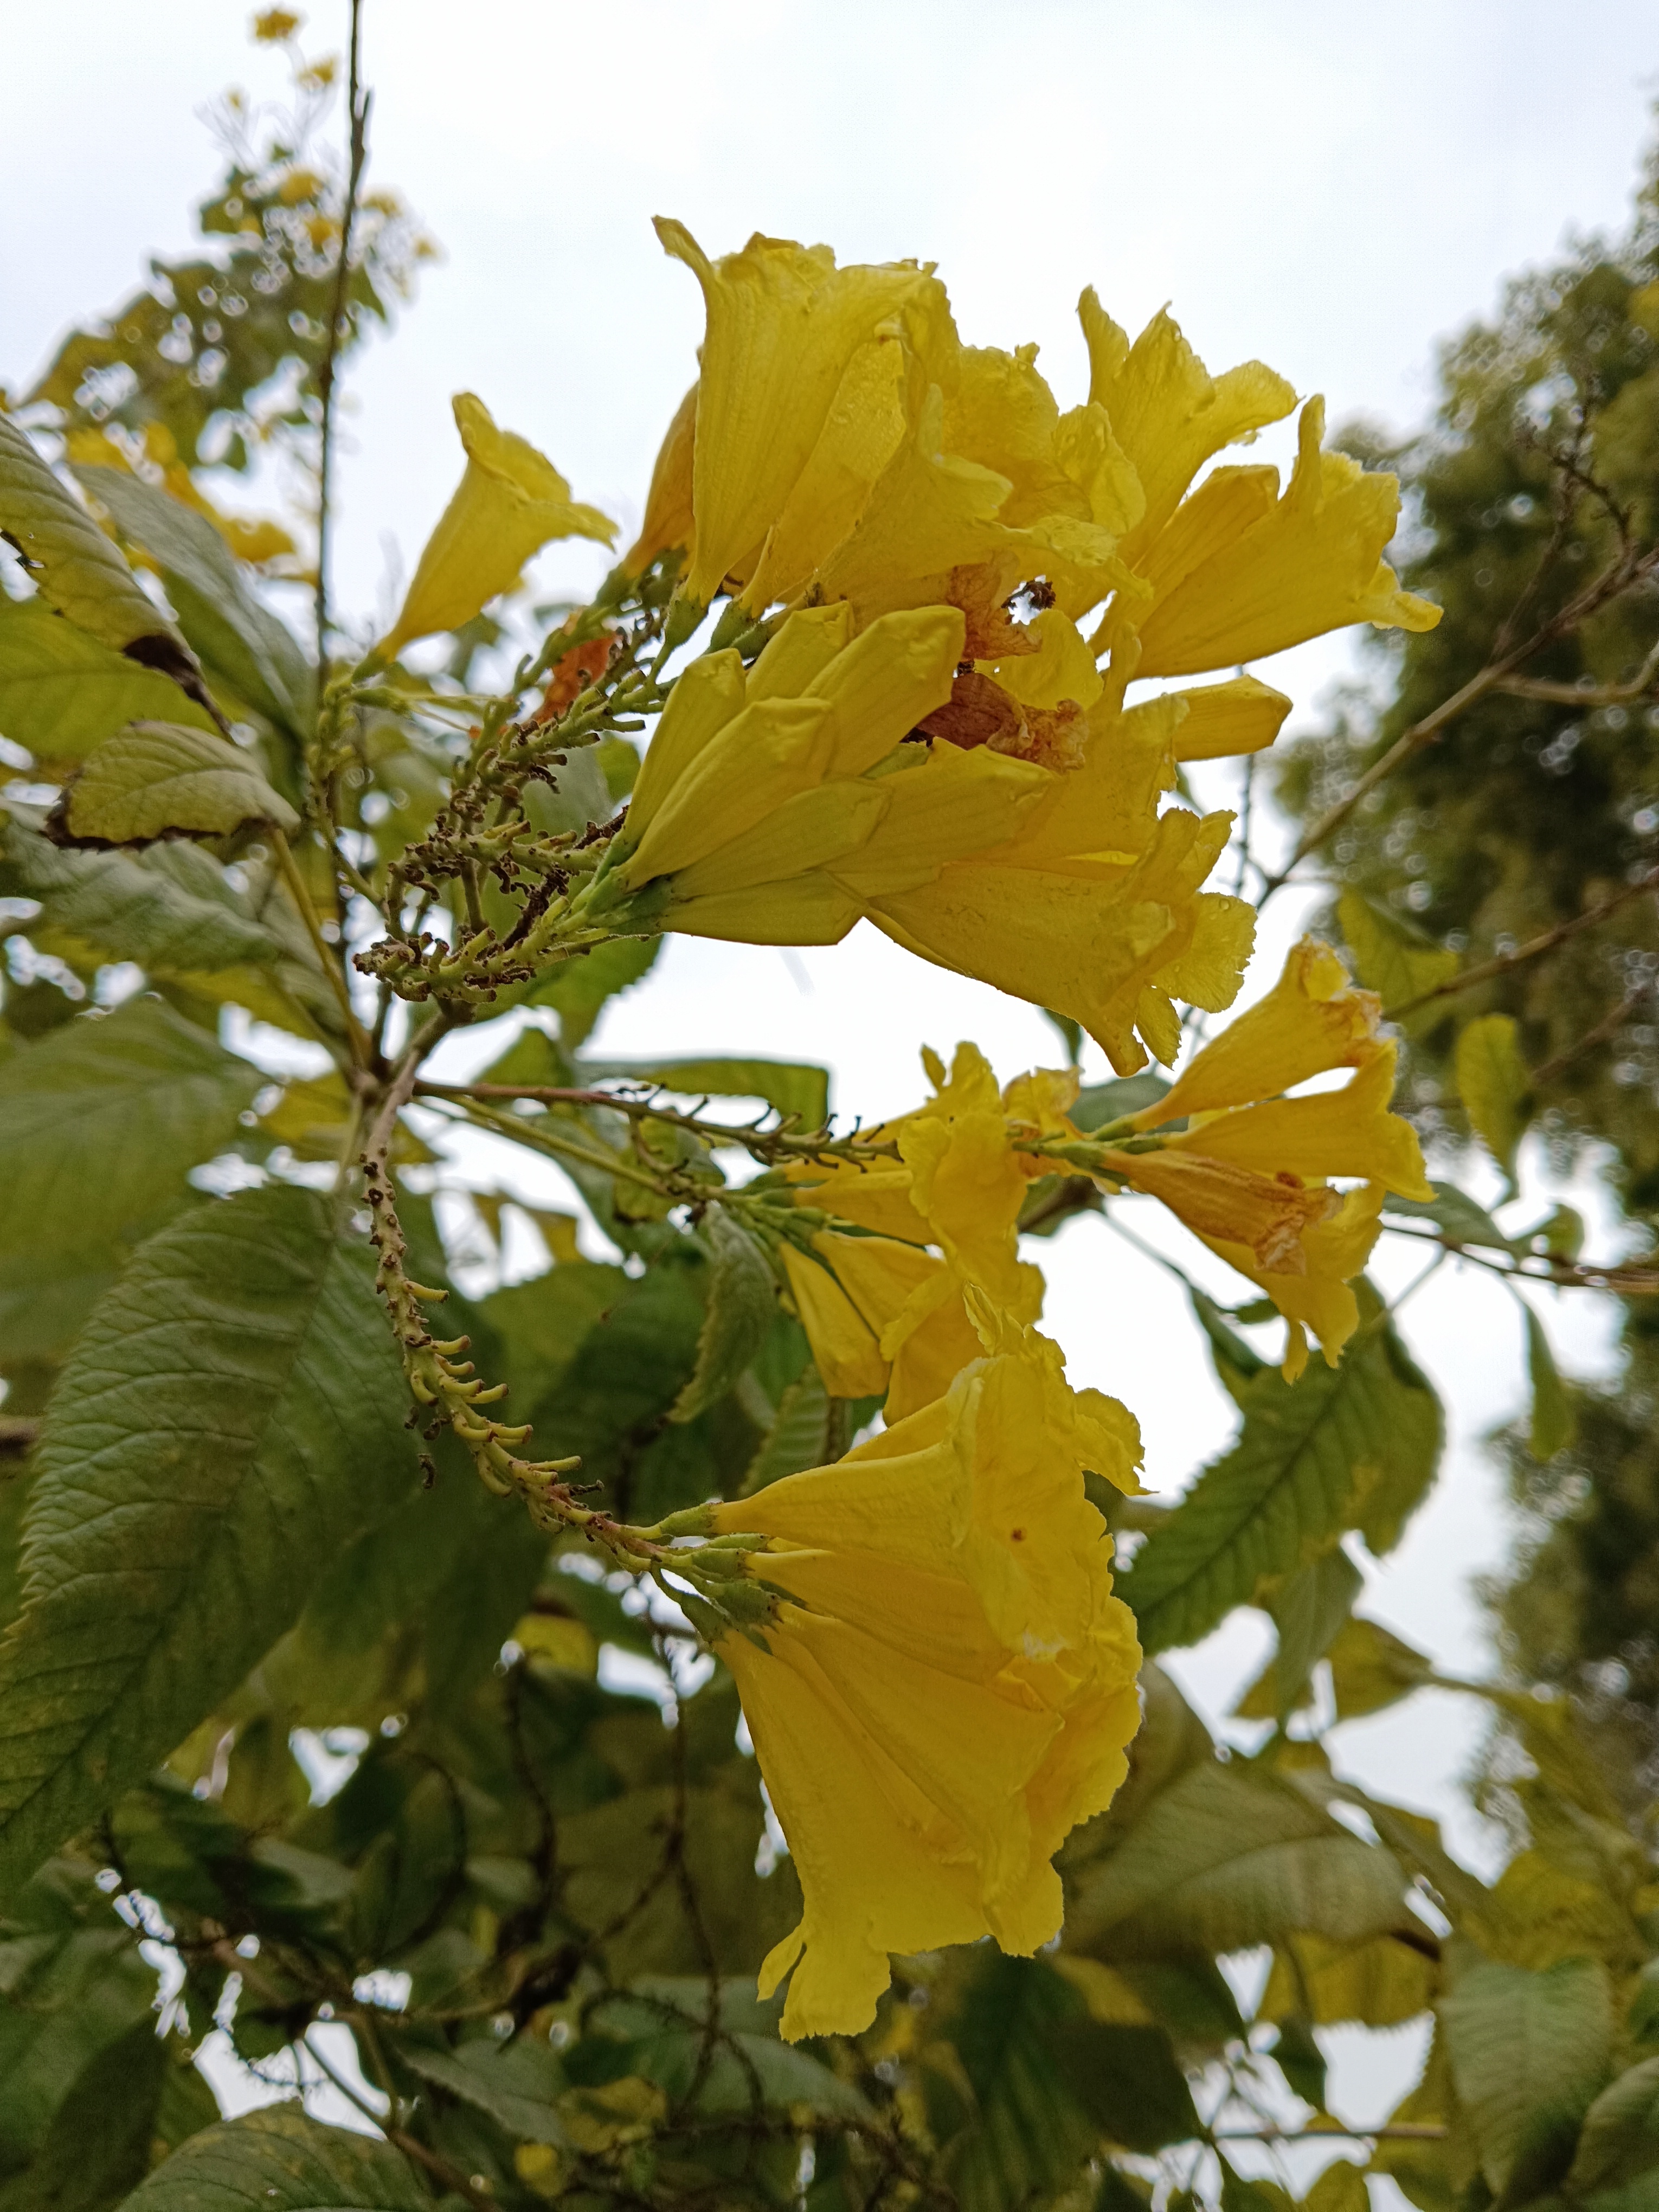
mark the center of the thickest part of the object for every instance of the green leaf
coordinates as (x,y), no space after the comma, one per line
(1242,2193)
(1372,1669)
(743,1304)
(1308,1609)
(1027,2135)
(1455,1214)
(62,691)
(1354,1446)
(1528,2052)
(515,2085)
(1100,1102)
(1220,1859)
(74,565)
(1494,1086)
(157,778)
(1300,2060)
(1126,2080)
(281,2161)
(101,1122)
(98,2146)
(661,2021)
(231,1417)
(242,645)
(576,795)
(1620,2136)
(71,1983)
(1071,1034)
(1237,1365)
(799,1436)
(1553,1423)
(579,988)
(799,1091)
(1390,958)
(172,910)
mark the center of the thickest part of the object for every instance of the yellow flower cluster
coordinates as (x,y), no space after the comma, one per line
(1249,1174)
(947,1684)
(843,448)
(883,1313)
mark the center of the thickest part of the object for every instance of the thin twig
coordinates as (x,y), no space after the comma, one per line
(1629,1280)
(1585,695)
(1609,1025)
(1630,568)
(1394,2131)
(1503,962)
(439,2168)
(320,945)
(357,110)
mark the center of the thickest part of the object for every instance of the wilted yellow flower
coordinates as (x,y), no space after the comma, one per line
(949,1684)
(510,502)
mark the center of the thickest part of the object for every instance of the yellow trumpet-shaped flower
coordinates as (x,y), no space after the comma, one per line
(948,1684)
(510,502)
(784,327)
(881,1311)
(1230,572)
(1249,1174)
(1240,572)
(1311,1021)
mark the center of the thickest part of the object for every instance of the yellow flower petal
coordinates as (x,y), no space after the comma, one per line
(799,652)
(1062,667)
(865,426)
(836,1799)
(708,696)
(1217,1199)
(511,501)
(843,1343)
(1168,415)
(1223,719)
(1241,581)
(810,909)
(761,757)
(809,831)
(1335,1251)
(943,804)
(668,523)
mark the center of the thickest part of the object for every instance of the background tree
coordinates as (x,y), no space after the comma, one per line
(1497,878)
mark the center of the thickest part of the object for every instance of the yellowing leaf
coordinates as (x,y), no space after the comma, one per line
(159,777)
(1389,957)
(74,565)
(1492,1084)
(62,691)
(555,1637)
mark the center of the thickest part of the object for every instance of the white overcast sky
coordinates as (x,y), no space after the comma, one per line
(1331,189)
